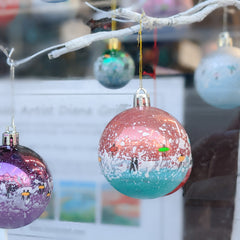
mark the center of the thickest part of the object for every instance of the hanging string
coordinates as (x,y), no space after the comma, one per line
(156,56)
(12,82)
(225,19)
(12,65)
(140,54)
(156,51)
(113,7)
(12,77)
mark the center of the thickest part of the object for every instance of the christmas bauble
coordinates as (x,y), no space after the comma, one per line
(25,186)
(8,11)
(114,69)
(217,78)
(156,8)
(144,152)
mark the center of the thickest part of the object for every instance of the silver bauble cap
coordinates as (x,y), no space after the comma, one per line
(10,137)
(141,98)
(224,40)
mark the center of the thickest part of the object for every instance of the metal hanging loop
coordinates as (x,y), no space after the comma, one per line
(141,98)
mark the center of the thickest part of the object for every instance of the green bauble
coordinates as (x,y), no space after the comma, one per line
(114,69)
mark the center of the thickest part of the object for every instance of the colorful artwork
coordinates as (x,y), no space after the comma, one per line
(78,201)
(118,208)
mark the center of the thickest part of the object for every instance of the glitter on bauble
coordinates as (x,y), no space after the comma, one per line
(217,76)
(144,152)
(115,68)
(25,183)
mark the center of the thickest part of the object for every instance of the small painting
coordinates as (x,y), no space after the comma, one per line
(77,201)
(119,209)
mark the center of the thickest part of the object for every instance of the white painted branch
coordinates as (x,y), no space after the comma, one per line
(195,14)
(20,62)
(203,4)
(87,40)
(104,14)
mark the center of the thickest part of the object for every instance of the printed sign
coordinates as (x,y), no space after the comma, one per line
(63,122)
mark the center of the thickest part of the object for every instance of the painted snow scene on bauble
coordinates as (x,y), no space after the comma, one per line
(114,69)
(25,186)
(145,153)
(217,78)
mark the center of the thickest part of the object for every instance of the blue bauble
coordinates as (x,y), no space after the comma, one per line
(217,78)
(114,69)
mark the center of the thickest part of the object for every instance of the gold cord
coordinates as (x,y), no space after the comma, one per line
(140,54)
(113,7)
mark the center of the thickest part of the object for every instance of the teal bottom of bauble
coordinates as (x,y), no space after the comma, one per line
(156,184)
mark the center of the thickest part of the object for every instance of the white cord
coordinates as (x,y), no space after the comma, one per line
(19,62)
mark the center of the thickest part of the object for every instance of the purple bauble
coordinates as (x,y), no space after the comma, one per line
(25,186)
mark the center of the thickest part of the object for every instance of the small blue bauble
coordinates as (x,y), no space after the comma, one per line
(217,78)
(114,69)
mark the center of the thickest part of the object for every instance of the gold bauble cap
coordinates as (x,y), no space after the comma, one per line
(114,44)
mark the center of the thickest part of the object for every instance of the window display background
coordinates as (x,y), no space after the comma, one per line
(33,29)
(63,122)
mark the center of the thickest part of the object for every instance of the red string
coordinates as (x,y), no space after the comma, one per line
(155,38)
(155,63)
(152,75)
